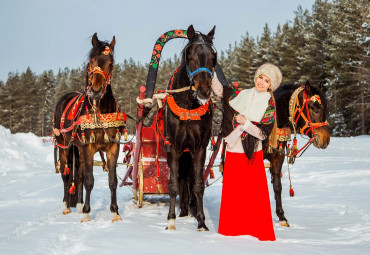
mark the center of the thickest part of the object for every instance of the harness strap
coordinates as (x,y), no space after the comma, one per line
(65,111)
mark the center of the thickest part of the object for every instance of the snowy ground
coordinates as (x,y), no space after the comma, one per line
(330,213)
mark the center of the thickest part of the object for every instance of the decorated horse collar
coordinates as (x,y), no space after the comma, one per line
(185,114)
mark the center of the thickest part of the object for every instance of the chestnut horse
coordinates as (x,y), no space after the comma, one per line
(307,107)
(91,122)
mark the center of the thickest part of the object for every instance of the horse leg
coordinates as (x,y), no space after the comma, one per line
(63,161)
(88,183)
(275,169)
(112,156)
(184,192)
(173,186)
(198,164)
(80,176)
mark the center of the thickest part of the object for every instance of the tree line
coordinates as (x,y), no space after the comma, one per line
(328,44)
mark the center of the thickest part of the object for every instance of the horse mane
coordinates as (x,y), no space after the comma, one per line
(196,38)
(183,75)
(98,48)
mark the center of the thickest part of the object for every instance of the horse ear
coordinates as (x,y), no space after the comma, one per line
(212,33)
(307,87)
(191,32)
(94,40)
(112,43)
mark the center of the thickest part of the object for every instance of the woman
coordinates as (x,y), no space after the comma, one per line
(249,119)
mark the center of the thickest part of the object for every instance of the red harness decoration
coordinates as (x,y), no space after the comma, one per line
(309,126)
(73,112)
(107,120)
(185,114)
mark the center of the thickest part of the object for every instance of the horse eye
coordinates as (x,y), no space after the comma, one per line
(316,111)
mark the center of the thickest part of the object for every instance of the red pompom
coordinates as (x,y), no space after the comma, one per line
(291,191)
(211,174)
(72,189)
(66,170)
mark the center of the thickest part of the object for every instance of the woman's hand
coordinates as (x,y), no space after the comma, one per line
(241,119)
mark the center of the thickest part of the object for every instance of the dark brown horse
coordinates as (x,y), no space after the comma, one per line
(188,129)
(91,122)
(307,107)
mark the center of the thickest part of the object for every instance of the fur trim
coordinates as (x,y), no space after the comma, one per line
(271,71)
(251,103)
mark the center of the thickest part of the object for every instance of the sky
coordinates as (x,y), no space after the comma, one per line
(53,34)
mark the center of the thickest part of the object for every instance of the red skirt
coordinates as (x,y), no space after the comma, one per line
(245,202)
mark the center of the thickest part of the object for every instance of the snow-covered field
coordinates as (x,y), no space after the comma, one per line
(330,213)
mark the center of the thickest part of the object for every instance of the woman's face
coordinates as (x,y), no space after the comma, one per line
(262,83)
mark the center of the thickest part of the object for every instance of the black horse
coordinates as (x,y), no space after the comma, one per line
(307,107)
(91,122)
(187,120)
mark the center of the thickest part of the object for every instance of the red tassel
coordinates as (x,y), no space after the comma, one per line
(291,191)
(211,173)
(66,170)
(72,189)
(213,141)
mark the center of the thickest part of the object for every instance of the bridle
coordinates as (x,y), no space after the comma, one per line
(99,70)
(200,41)
(296,111)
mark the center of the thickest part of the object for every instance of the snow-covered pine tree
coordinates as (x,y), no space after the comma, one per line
(244,61)
(348,65)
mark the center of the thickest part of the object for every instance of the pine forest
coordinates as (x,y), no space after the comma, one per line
(329,44)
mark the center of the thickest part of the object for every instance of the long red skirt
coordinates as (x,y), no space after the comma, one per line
(245,202)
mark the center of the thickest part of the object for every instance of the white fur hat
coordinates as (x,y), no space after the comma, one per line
(271,71)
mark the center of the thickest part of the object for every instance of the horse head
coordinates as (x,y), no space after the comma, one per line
(313,117)
(200,57)
(100,66)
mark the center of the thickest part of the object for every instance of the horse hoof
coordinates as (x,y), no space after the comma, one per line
(66,211)
(284,223)
(116,217)
(203,228)
(171,225)
(85,218)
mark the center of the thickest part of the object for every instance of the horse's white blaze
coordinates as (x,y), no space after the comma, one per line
(171,224)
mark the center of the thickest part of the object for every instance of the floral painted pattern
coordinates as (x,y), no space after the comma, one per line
(162,40)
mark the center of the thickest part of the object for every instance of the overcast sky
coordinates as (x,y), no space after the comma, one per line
(53,34)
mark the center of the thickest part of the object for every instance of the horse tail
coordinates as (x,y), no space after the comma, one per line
(156,56)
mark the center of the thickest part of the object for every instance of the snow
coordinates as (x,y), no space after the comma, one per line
(330,213)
